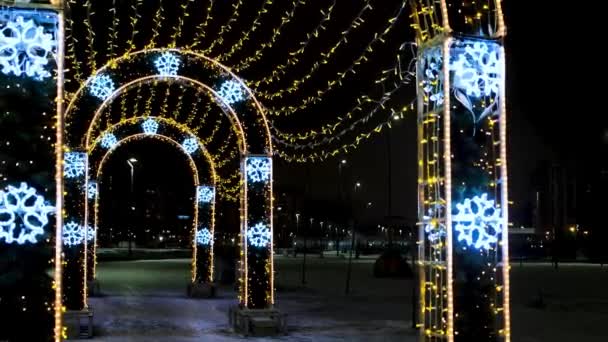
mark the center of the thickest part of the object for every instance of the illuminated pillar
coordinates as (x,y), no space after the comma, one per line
(31,83)
(257,284)
(205,235)
(463,237)
(91,198)
(74,236)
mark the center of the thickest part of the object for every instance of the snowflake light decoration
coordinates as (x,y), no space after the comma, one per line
(477,70)
(205,194)
(150,126)
(26,48)
(259,235)
(108,141)
(432,79)
(258,169)
(204,237)
(478,222)
(74,164)
(433,227)
(73,234)
(190,145)
(92,189)
(90,233)
(231,92)
(167,64)
(23,214)
(101,86)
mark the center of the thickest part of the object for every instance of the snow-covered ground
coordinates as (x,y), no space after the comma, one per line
(145,301)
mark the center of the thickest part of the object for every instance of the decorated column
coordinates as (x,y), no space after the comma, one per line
(74,234)
(202,270)
(91,224)
(257,288)
(463,238)
(31,80)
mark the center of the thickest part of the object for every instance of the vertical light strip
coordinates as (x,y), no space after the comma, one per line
(271,200)
(445,19)
(421,164)
(505,197)
(85,252)
(502,28)
(59,177)
(194,230)
(212,247)
(244,225)
(448,183)
(96,208)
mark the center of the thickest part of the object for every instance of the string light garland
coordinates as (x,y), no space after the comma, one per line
(259,54)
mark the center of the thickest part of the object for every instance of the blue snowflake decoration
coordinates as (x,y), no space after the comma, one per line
(150,126)
(91,234)
(259,235)
(477,70)
(231,92)
(167,64)
(92,189)
(108,140)
(205,194)
(478,222)
(26,48)
(101,86)
(434,229)
(190,145)
(23,214)
(73,234)
(74,164)
(258,169)
(204,237)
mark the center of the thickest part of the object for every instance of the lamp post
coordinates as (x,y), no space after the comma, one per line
(321,240)
(352,244)
(340,199)
(295,253)
(131,161)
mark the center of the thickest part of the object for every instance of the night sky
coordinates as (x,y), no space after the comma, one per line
(554,117)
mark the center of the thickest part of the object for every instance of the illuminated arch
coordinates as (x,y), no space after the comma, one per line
(247,120)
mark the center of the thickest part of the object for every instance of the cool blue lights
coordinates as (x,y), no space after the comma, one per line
(205,194)
(108,141)
(150,126)
(92,189)
(231,92)
(204,237)
(73,234)
(26,47)
(476,69)
(91,234)
(167,64)
(23,214)
(258,169)
(190,145)
(101,86)
(74,164)
(259,235)
(478,222)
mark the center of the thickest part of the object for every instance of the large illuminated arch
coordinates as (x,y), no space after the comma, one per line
(169,131)
(247,119)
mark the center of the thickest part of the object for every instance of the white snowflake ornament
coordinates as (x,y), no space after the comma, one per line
(23,214)
(258,169)
(259,235)
(478,222)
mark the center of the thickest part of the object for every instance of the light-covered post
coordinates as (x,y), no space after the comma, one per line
(463,211)
(203,243)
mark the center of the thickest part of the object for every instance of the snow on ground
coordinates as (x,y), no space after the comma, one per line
(145,301)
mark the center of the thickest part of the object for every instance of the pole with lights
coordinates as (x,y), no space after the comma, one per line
(462,172)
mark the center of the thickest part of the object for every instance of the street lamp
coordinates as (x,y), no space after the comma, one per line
(131,161)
